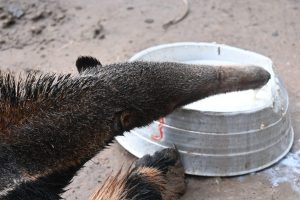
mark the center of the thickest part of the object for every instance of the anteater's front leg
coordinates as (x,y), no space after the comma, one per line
(160,176)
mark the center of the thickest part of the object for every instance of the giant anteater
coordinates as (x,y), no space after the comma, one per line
(51,124)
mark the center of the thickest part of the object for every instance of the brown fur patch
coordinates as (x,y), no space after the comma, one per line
(149,172)
(114,186)
(112,189)
(153,175)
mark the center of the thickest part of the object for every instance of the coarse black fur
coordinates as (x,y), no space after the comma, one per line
(142,188)
(44,188)
(160,160)
(86,62)
(50,124)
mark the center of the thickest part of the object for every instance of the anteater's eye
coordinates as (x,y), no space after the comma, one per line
(125,119)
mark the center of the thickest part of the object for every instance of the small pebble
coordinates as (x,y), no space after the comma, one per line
(130,8)
(15,11)
(8,22)
(40,15)
(78,8)
(37,30)
(149,21)
(275,34)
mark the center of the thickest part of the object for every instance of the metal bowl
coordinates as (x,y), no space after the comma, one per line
(237,140)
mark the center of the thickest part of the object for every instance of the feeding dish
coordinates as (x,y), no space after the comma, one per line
(226,134)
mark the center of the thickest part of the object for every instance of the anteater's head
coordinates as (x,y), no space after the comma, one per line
(145,91)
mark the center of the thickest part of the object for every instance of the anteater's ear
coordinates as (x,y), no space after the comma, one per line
(86,62)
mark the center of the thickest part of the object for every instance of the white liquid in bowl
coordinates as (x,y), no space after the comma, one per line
(240,101)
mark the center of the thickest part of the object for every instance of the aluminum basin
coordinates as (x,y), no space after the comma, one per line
(219,139)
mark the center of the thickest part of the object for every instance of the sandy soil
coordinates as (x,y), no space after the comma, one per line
(50,35)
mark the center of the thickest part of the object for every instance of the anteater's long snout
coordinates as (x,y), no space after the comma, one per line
(210,80)
(241,78)
(175,84)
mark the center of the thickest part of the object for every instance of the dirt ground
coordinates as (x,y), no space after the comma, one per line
(49,35)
